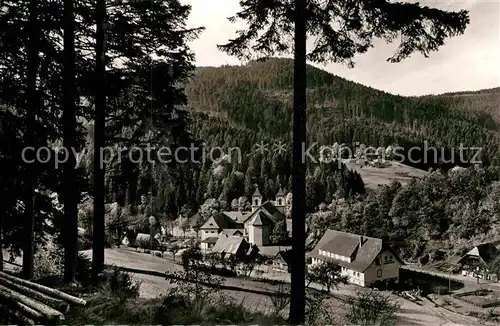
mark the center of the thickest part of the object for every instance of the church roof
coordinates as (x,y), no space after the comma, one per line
(262,219)
(269,210)
(257,192)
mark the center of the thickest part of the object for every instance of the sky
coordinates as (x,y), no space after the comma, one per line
(467,62)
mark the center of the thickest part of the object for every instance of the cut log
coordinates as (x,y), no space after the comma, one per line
(33,294)
(49,313)
(44,289)
(22,308)
(16,315)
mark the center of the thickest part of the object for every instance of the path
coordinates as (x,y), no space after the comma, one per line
(470,284)
(154,286)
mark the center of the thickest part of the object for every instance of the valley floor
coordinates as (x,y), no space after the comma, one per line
(253,293)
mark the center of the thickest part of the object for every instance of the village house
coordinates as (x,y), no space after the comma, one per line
(478,261)
(237,246)
(364,260)
(255,226)
(282,261)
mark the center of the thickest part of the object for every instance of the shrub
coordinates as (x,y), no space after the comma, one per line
(83,269)
(371,308)
(84,243)
(48,260)
(120,284)
(178,309)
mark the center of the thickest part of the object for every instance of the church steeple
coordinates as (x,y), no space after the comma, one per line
(280,200)
(256,199)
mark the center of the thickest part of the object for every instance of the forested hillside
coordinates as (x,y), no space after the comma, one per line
(243,105)
(240,106)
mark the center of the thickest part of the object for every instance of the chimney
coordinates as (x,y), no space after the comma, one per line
(361,240)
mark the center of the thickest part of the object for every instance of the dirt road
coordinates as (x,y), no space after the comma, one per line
(252,293)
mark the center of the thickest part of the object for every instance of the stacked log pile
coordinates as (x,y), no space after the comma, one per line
(31,303)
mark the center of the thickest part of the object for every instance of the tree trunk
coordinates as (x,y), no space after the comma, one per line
(12,296)
(70,197)
(1,239)
(17,315)
(31,108)
(99,143)
(44,289)
(297,301)
(52,302)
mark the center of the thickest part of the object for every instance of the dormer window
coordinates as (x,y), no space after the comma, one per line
(279,202)
(256,202)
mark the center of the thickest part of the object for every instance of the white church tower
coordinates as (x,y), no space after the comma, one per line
(280,201)
(256,200)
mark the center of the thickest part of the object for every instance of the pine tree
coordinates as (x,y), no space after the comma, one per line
(71,192)
(31,108)
(248,184)
(270,25)
(99,142)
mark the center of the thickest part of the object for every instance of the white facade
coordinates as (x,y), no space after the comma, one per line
(206,233)
(384,267)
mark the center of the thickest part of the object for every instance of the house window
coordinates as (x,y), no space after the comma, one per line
(379,273)
(377,261)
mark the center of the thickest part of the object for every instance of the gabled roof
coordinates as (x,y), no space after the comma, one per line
(284,256)
(229,244)
(232,231)
(144,237)
(270,211)
(261,219)
(210,240)
(257,192)
(348,245)
(221,221)
(487,252)
(280,193)
(238,217)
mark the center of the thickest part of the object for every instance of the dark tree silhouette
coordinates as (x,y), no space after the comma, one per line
(99,142)
(32,104)
(341,30)
(71,192)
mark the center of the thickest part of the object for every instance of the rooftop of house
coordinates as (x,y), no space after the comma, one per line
(488,251)
(211,240)
(232,231)
(229,244)
(350,245)
(284,256)
(239,216)
(221,221)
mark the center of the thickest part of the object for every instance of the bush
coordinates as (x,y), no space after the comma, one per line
(371,308)
(84,243)
(103,309)
(120,284)
(48,260)
(83,269)
(177,309)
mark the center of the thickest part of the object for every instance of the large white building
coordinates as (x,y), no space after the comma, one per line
(363,259)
